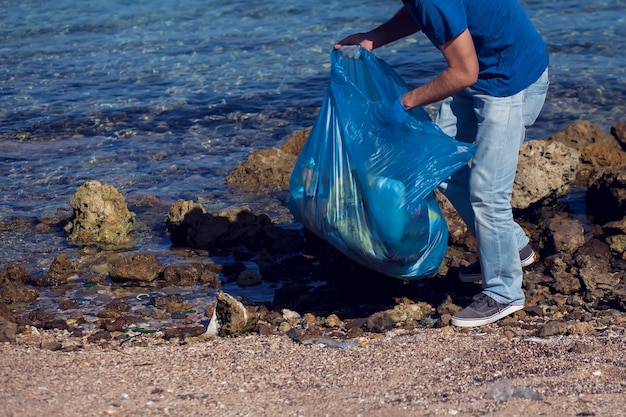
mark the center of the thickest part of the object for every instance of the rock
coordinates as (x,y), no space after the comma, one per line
(229,229)
(601,155)
(295,143)
(380,322)
(62,268)
(582,133)
(14,272)
(617,243)
(249,278)
(267,169)
(595,279)
(618,130)
(177,276)
(183,332)
(101,218)
(8,331)
(593,254)
(410,312)
(229,317)
(552,328)
(606,194)
(563,235)
(12,285)
(136,267)
(545,170)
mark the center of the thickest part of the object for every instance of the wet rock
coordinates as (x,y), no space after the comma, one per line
(178,276)
(136,267)
(606,194)
(172,303)
(228,229)
(184,332)
(546,170)
(268,169)
(229,317)
(12,285)
(295,143)
(101,217)
(14,272)
(62,268)
(249,278)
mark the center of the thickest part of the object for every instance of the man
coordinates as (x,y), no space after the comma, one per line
(494,86)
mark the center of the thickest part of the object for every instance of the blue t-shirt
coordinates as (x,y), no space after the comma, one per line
(511,54)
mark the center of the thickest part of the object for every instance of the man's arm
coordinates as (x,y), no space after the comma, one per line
(462,72)
(399,26)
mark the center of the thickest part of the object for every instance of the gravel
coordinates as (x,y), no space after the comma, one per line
(403,372)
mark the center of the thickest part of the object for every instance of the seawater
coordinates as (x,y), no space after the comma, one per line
(164,98)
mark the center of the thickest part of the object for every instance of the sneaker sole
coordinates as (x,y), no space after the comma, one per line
(469,278)
(485,320)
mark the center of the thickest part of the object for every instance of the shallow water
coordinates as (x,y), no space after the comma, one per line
(165,98)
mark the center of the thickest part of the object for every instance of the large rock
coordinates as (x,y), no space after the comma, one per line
(101,217)
(582,133)
(545,170)
(597,148)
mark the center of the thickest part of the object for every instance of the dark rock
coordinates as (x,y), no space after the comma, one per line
(563,235)
(136,267)
(606,194)
(14,272)
(184,332)
(62,268)
(249,279)
(178,276)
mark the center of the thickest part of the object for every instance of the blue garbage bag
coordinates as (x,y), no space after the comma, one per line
(366,185)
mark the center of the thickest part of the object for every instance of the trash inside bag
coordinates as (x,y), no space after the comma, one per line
(365,184)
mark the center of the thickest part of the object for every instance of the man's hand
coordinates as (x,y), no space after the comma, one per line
(394,114)
(363,39)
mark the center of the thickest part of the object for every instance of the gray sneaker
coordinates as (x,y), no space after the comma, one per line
(473,272)
(482,311)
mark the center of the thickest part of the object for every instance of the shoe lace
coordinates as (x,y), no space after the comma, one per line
(483,299)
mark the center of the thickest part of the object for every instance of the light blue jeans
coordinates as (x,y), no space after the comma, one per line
(482,194)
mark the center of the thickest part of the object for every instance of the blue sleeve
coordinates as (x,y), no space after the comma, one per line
(441,21)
